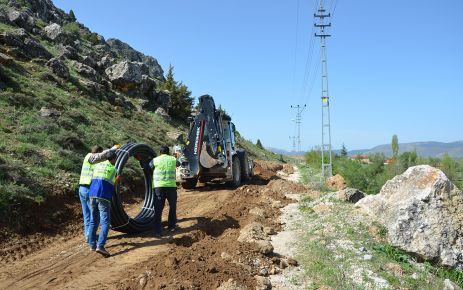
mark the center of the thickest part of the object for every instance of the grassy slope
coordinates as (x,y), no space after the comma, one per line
(42,156)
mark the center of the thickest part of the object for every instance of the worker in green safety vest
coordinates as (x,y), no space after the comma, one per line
(165,187)
(101,193)
(97,155)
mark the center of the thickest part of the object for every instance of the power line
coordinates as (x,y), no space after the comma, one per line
(293,142)
(326,166)
(299,109)
(309,61)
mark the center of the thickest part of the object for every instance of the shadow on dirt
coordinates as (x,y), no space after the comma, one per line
(184,237)
(213,186)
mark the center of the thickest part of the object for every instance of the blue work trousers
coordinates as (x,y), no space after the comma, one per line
(85,202)
(163,193)
(101,214)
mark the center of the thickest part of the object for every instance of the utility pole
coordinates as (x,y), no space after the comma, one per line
(327,167)
(293,142)
(299,109)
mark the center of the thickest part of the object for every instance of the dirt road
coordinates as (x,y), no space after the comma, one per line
(203,254)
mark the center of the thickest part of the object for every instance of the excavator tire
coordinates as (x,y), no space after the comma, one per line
(189,183)
(246,173)
(236,171)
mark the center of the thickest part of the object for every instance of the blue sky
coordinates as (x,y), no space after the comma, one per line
(395,67)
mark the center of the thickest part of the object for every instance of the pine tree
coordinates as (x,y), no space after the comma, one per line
(259,144)
(72,15)
(343,151)
(181,100)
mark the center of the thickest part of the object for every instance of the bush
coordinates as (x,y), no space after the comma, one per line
(92,38)
(21,100)
(69,140)
(71,27)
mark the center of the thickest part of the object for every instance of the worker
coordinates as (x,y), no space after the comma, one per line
(165,187)
(97,155)
(101,193)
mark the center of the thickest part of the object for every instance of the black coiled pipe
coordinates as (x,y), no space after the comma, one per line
(144,220)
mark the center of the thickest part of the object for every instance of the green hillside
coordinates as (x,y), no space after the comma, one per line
(64,89)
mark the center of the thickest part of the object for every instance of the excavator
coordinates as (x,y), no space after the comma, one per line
(210,152)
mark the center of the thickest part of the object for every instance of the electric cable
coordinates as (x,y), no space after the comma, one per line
(144,220)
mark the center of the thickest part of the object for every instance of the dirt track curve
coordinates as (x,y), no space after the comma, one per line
(203,254)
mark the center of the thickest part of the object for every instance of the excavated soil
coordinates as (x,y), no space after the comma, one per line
(203,254)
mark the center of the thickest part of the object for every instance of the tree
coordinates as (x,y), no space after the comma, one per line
(449,166)
(395,147)
(313,157)
(259,144)
(181,100)
(408,159)
(343,151)
(72,15)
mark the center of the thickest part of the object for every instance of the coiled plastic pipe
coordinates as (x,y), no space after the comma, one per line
(144,220)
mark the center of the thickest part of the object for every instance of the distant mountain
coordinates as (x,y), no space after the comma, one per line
(425,149)
(285,152)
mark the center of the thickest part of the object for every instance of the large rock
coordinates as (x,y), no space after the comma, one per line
(53,31)
(350,195)
(3,16)
(59,68)
(69,52)
(126,75)
(36,50)
(423,212)
(24,45)
(46,11)
(56,33)
(125,51)
(21,19)
(86,71)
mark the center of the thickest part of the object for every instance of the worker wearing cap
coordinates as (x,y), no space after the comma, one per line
(96,156)
(101,193)
(165,187)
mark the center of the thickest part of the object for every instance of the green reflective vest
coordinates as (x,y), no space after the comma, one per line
(164,171)
(86,172)
(105,171)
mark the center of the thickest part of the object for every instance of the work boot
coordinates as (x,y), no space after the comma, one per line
(157,235)
(103,252)
(92,248)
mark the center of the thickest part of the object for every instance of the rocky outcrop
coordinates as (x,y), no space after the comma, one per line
(21,19)
(86,71)
(125,51)
(3,16)
(69,52)
(49,113)
(127,74)
(45,11)
(59,68)
(53,31)
(24,46)
(423,212)
(105,67)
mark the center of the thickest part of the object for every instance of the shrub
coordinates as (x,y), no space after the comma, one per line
(72,27)
(92,38)
(21,100)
